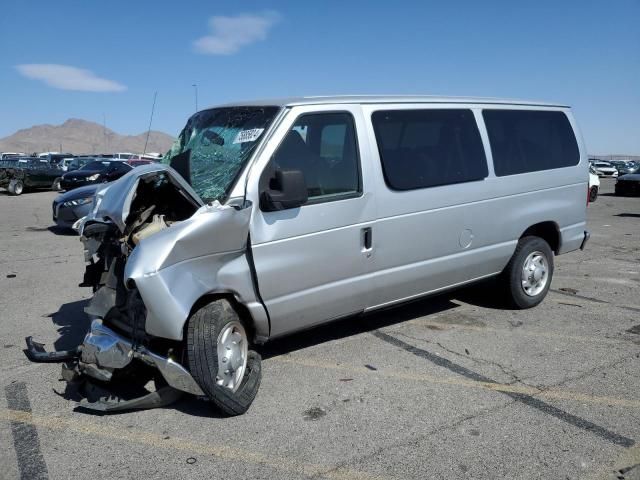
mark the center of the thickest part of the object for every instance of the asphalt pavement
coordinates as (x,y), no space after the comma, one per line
(453,386)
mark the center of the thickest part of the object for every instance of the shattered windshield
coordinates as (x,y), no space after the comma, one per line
(216,144)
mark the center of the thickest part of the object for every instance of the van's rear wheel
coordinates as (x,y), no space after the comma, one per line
(219,357)
(593,193)
(529,272)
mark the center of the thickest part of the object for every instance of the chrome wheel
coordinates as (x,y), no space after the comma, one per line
(17,188)
(232,355)
(535,273)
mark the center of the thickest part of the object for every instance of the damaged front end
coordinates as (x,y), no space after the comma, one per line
(152,248)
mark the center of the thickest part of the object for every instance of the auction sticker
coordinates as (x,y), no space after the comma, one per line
(248,135)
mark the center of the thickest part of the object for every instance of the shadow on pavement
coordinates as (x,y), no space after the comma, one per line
(484,294)
(66,232)
(72,324)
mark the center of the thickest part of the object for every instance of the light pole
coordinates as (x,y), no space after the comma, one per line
(195,87)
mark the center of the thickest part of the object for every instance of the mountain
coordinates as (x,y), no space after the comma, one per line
(81,137)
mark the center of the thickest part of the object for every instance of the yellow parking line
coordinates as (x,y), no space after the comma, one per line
(551,394)
(182,444)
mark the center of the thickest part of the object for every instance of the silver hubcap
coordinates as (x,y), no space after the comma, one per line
(535,273)
(18,188)
(232,355)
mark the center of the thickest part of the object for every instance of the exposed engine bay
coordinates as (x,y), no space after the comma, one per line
(157,204)
(117,346)
(168,258)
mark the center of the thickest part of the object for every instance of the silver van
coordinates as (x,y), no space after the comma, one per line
(270,217)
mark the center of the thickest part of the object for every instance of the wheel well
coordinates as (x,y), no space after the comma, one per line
(548,231)
(241,310)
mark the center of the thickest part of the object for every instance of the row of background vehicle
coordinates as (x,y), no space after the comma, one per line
(626,173)
(49,170)
(614,168)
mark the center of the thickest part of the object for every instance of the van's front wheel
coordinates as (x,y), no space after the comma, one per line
(529,272)
(219,357)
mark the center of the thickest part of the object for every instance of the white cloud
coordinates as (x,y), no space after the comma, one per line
(66,77)
(229,34)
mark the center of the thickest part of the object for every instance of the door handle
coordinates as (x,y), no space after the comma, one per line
(367,239)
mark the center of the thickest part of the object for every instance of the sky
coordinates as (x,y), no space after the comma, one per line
(103,60)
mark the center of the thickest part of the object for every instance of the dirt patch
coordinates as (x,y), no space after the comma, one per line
(314,413)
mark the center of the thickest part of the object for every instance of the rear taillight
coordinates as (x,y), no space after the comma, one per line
(588,193)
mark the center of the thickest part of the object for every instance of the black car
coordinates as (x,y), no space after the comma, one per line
(98,171)
(628,184)
(70,206)
(27,173)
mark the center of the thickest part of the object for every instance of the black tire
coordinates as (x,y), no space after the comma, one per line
(57,184)
(16,187)
(593,193)
(202,335)
(512,274)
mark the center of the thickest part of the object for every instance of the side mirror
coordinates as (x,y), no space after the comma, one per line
(287,189)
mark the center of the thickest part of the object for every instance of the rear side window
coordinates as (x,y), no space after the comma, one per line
(427,148)
(529,141)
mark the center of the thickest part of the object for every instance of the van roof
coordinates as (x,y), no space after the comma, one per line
(324,100)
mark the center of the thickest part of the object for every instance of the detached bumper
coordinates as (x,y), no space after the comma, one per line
(36,353)
(104,351)
(585,239)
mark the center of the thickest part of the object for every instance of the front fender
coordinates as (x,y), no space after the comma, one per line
(204,254)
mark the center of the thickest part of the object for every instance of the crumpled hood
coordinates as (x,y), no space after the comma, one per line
(212,230)
(114,201)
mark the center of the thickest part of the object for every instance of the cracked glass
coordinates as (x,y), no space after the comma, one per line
(217,144)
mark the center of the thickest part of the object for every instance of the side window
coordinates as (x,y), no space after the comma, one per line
(529,141)
(323,146)
(428,148)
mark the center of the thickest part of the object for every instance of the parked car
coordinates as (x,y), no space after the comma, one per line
(7,155)
(7,166)
(64,163)
(605,169)
(280,215)
(54,158)
(80,161)
(121,155)
(70,206)
(138,162)
(97,171)
(628,184)
(627,167)
(594,184)
(27,173)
